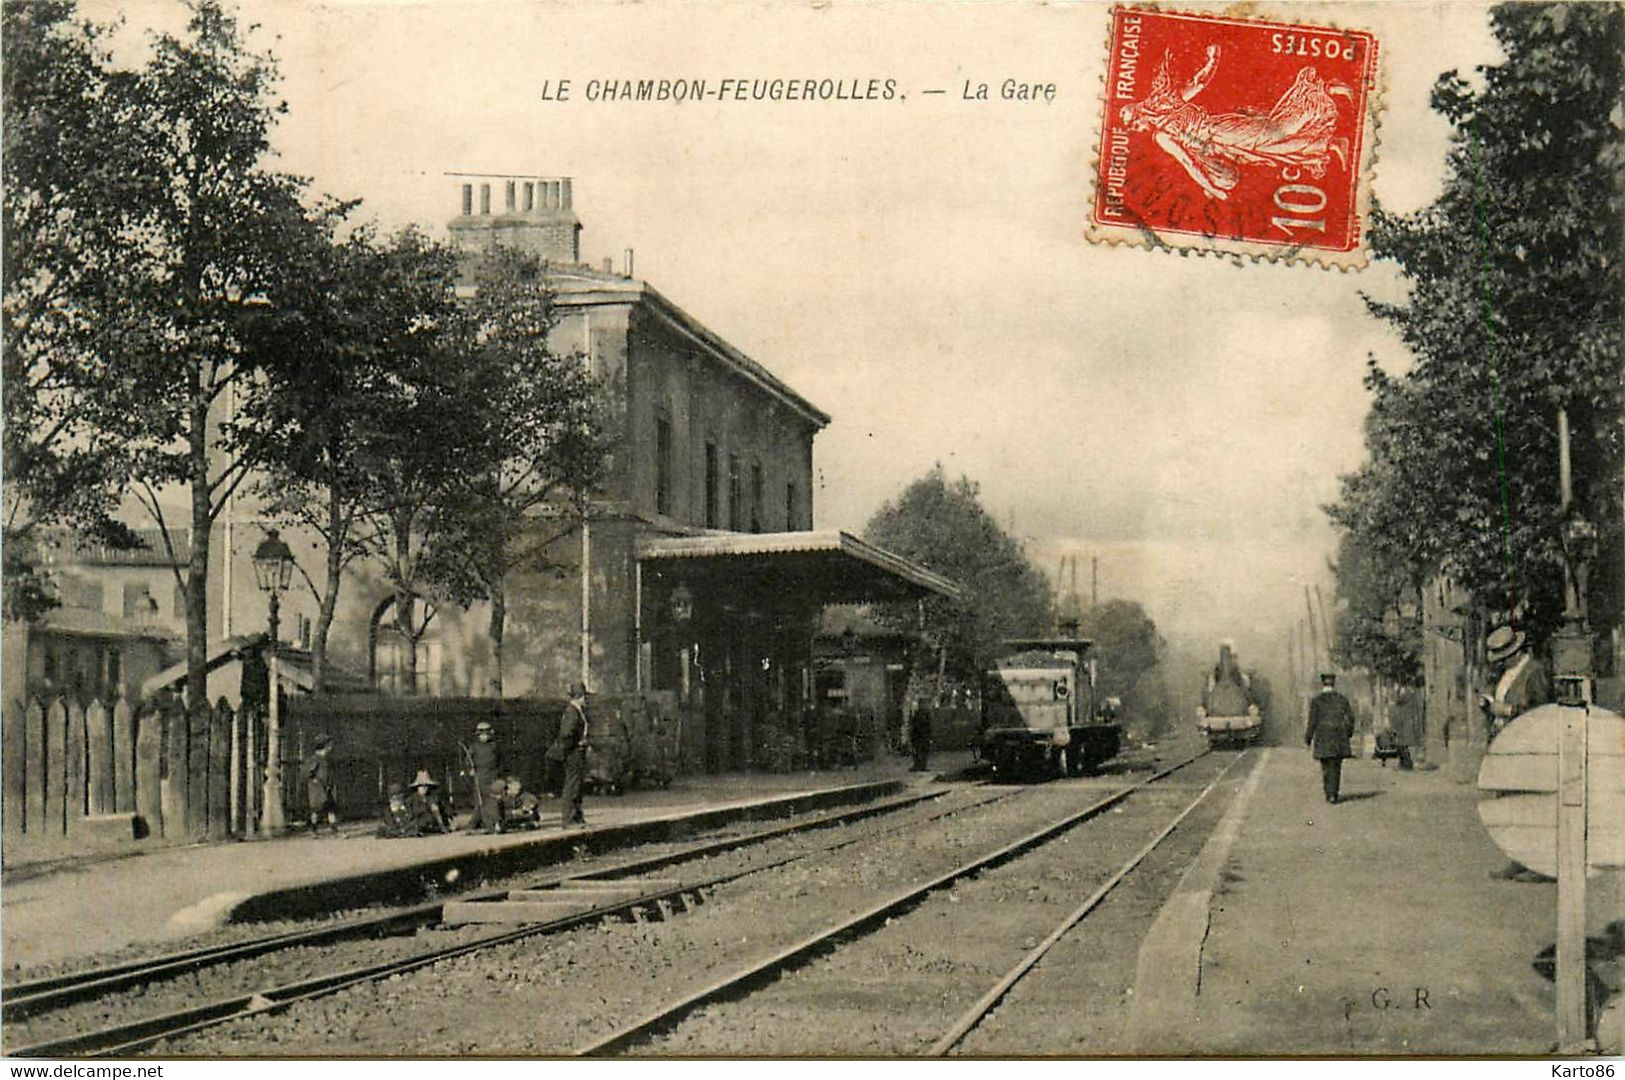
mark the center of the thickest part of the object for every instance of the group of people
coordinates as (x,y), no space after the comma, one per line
(501,803)
(1519,684)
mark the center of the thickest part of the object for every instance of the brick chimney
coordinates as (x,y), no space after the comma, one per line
(527,213)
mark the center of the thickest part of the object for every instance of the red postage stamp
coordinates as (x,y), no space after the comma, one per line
(1236,135)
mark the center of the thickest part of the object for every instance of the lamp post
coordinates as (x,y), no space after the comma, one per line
(273,568)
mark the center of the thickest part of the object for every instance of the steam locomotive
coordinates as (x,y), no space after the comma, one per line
(1230,713)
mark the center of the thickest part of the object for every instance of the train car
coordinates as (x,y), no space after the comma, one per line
(1229,714)
(1039,714)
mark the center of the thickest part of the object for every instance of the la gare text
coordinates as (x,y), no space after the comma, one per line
(810,89)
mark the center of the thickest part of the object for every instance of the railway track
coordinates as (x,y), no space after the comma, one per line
(24,1000)
(744,980)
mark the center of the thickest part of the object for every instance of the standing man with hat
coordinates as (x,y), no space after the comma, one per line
(570,747)
(319,791)
(485,762)
(1331,726)
(1520,681)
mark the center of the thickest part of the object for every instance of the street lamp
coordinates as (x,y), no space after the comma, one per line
(273,568)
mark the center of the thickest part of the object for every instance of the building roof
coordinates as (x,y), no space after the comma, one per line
(581,286)
(293,667)
(830,566)
(152,552)
(82,622)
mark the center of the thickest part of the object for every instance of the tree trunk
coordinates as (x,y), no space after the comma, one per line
(330,594)
(499,618)
(197,575)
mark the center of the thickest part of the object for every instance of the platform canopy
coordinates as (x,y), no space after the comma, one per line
(827,567)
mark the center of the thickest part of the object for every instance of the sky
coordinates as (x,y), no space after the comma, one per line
(917,268)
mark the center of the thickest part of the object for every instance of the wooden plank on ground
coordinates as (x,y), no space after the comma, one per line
(124,751)
(146,788)
(98,759)
(14,767)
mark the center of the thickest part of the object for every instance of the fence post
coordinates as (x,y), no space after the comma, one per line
(146,787)
(76,804)
(175,810)
(56,768)
(251,771)
(235,783)
(34,767)
(14,767)
(124,751)
(98,759)
(220,721)
(197,768)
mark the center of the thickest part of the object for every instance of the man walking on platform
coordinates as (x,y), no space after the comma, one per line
(1331,726)
(570,747)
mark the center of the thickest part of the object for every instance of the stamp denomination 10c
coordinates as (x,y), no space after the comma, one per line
(1236,136)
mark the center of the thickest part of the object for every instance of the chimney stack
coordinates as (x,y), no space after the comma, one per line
(629,263)
(536,216)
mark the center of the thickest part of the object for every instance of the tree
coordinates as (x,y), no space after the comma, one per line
(65,159)
(1378,627)
(351,323)
(1516,309)
(202,233)
(943,527)
(1127,644)
(548,446)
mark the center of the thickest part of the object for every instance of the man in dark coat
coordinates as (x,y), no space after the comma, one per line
(570,748)
(919,736)
(1331,725)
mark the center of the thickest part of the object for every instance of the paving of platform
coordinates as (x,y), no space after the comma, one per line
(1384,925)
(50,913)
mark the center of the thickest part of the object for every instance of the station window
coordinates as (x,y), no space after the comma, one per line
(468,199)
(713,484)
(756,497)
(736,501)
(662,464)
(790,520)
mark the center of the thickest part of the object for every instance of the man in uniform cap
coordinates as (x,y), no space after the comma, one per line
(1520,683)
(570,748)
(1331,725)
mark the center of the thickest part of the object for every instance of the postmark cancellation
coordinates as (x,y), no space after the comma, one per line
(1236,136)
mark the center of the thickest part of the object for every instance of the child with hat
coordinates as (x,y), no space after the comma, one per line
(319,790)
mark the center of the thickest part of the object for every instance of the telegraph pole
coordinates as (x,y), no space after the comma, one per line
(1571,668)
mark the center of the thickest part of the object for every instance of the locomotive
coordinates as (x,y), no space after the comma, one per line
(1229,713)
(1039,711)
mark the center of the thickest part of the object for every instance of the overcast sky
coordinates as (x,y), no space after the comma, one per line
(916,268)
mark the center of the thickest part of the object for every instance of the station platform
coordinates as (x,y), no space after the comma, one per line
(1388,924)
(62,911)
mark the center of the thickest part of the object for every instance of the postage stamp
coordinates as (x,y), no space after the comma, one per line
(1237,136)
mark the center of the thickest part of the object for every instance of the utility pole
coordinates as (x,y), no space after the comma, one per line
(1325,624)
(1571,668)
(1094,580)
(1314,638)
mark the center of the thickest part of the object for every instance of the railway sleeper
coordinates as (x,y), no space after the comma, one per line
(617,899)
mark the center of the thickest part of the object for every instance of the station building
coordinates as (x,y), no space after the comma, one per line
(696,581)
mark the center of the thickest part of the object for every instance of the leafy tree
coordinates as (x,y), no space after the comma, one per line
(1127,644)
(1377,627)
(547,444)
(201,237)
(942,526)
(354,323)
(64,164)
(1516,309)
